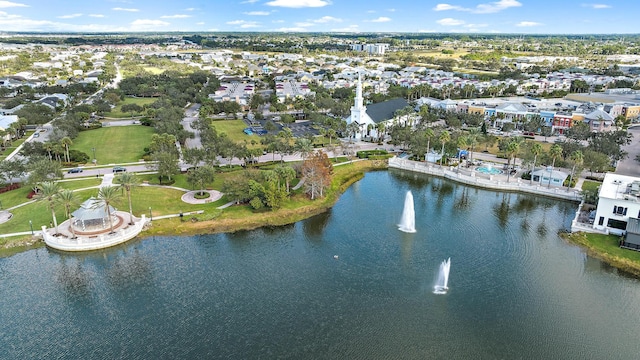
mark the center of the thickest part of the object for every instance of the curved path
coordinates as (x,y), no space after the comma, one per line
(190,198)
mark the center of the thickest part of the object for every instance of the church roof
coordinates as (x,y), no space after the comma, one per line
(512,107)
(599,114)
(92,209)
(385,110)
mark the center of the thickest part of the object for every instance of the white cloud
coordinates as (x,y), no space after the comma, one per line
(597,6)
(496,6)
(148,24)
(190,9)
(450,22)
(8,4)
(70,16)
(381,19)
(304,24)
(488,8)
(299,3)
(176,16)
(125,9)
(391,10)
(200,23)
(96,15)
(445,7)
(244,24)
(249,2)
(327,19)
(277,21)
(528,24)
(257,13)
(371,11)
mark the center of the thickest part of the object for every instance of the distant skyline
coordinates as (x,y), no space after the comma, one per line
(455,16)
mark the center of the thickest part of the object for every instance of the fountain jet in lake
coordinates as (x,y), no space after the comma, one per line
(408,220)
(442,283)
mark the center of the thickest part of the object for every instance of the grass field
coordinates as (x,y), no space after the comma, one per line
(587,98)
(234,130)
(591,185)
(153,70)
(118,144)
(606,247)
(117,111)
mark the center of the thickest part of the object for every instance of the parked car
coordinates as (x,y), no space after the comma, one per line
(117,169)
(36,135)
(74,170)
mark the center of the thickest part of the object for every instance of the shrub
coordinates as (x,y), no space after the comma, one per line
(256,203)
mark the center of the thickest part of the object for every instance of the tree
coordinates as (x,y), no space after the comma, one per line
(285,174)
(43,170)
(473,139)
(512,150)
(554,152)
(166,164)
(132,109)
(595,161)
(304,147)
(579,131)
(49,192)
(316,172)
(200,177)
(68,199)
(128,181)
(66,142)
(611,143)
(462,143)
(443,138)
(577,159)
(107,196)
(536,149)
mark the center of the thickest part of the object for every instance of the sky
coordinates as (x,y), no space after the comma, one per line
(456,16)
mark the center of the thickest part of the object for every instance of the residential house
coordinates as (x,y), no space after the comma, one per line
(619,200)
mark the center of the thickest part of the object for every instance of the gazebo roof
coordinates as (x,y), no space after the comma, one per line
(92,209)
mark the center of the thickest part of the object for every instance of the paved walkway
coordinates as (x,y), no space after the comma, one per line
(190,198)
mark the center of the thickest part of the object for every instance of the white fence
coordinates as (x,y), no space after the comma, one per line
(87,243)
(493,182)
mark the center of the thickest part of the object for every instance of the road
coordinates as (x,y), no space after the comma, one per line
(191,115)
(91,171)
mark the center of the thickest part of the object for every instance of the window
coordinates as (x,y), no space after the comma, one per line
(601,220)
(619,210)
(617,224)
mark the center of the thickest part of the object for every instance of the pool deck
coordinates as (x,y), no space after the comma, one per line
(500,182)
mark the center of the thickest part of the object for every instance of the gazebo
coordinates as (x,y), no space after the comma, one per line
(93,216)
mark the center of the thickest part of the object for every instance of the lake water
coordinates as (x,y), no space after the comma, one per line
(517,291)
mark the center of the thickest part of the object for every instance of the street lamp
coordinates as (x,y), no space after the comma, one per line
(94,155)
(150,215)
(31,226)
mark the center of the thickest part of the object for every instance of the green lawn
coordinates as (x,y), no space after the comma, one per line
(234,130)
(117,111)
(118,144)
(14,145)
(591,185)
(153,70)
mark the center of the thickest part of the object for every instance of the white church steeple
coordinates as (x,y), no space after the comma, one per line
(358,110)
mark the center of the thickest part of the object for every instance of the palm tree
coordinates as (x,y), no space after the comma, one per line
(128,181)
(473,138)
(68,199)
(512,151)
(380,127)
(536,149)
(66,142)
(462,143)
(577,158)
(331,133)
(49,191)
(106,196)
(554,152)
(443,138)
(428,133)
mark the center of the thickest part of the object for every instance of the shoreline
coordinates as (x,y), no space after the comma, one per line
(227,222)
